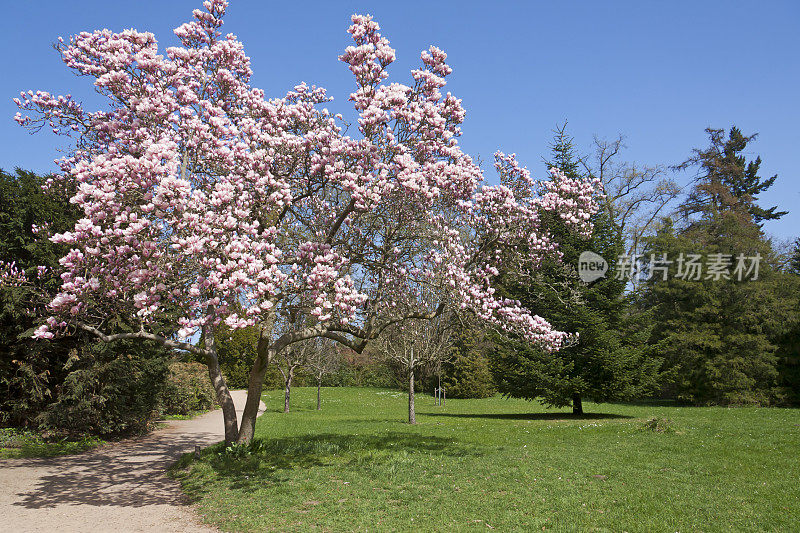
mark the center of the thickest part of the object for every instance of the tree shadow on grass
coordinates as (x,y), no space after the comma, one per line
(533,416)
(250,467)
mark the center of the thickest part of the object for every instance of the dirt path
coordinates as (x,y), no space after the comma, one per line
(121,487)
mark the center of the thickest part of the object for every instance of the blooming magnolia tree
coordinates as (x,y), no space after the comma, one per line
(204,196)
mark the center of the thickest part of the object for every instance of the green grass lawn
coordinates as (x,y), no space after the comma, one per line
(509,465)
(20,443)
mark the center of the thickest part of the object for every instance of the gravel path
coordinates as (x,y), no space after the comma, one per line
(120,487)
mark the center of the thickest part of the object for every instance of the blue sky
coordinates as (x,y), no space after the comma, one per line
(657,72)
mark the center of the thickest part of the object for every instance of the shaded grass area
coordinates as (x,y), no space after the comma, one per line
(187,416)
(19,443)
(511,465)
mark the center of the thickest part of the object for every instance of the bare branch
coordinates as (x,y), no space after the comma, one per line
(141,334)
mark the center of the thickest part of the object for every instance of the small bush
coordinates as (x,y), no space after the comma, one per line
(187,390)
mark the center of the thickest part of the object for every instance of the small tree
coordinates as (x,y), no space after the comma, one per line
(415,344)
(321,361)
(467,373)
(289,360)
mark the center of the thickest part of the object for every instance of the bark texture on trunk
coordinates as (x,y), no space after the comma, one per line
(255,384)
(577,404)
(221,388)
(319,398)
(412,415)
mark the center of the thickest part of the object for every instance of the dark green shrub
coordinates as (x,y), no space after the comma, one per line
(468,376)
(74,385)
(109,389)
(30,370)
(236,351)
(188,389)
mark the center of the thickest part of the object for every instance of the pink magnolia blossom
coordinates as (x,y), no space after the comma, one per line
(11,275)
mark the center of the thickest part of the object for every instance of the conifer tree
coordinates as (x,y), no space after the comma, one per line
(720,332)
(726,179)
(610,360)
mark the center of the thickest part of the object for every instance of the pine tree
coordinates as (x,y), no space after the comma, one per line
(562,153)
(610,360)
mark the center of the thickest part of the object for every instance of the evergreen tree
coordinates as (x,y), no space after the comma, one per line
(466,374)
(789,343)
(788,350)
(610,360)
(726,179)
(562,153)
(794,258)
(29,370)
(720,334)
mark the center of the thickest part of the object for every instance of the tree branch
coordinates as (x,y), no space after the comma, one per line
(141,334)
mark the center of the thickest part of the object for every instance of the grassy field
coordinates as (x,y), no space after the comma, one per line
(509,465)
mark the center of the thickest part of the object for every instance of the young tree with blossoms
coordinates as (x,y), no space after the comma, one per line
(202,195)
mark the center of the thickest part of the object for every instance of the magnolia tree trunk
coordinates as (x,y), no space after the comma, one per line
(577,404)
(412,415)
(319,399)
(288,390)
(221,389)
(255,385)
